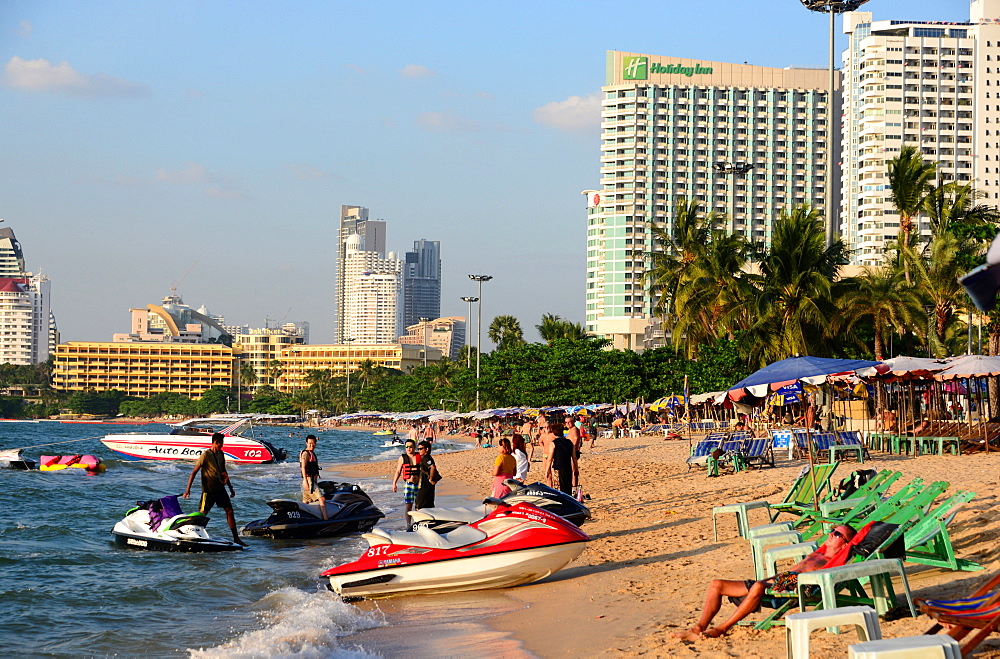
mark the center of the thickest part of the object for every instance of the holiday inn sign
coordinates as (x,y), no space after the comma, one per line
(639,68)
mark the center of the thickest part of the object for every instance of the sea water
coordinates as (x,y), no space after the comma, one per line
(67,589)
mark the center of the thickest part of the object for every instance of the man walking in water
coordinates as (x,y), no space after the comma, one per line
(214,481)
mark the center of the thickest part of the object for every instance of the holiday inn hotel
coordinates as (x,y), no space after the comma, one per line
(744,140)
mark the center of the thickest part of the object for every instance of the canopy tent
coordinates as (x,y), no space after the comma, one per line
(787,371)
(969,366)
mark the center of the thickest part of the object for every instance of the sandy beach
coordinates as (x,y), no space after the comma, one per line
(652,553)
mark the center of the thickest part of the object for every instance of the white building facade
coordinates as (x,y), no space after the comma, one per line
(931,85)
(28,332)
(372,294)
(744,140)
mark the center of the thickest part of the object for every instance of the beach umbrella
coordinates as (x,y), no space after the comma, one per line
(810,369)
(970,366)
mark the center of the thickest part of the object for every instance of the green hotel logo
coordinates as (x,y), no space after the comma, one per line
(639,68)
(634,68)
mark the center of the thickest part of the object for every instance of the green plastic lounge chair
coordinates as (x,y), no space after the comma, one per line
(800,496)
(867,496)
(928,542)
(876,510)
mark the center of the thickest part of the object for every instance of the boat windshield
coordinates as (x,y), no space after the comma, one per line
(227,426)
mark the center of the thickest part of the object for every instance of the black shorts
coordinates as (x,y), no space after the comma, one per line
(215,497)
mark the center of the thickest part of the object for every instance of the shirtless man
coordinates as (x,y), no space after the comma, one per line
(545,436)
(752,592)
(573,435)
(529,433)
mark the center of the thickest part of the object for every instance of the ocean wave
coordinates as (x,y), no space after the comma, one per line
(301,624)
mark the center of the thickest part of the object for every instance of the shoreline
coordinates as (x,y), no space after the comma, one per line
(652,553)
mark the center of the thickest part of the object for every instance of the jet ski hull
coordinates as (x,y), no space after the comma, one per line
(511,546)
(156,543)
(348,510)
(498,570)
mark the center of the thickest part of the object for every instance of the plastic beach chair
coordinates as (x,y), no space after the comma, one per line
(759,453)
(928,542)
(980,611)
(800,496)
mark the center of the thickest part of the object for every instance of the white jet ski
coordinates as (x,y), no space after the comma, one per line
(160,525)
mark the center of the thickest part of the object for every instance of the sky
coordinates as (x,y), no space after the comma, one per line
(207,146)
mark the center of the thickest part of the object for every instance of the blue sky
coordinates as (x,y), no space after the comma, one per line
(145,140)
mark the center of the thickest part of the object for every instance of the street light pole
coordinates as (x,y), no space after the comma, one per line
(468,334)
(831,7)
(347,342)
(424,321)
(479,328)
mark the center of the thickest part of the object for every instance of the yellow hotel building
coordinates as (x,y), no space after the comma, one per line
(143,368)
(299,360)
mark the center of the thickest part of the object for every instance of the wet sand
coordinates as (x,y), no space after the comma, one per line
(652,552)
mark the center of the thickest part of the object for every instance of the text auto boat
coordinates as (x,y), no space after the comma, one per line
(191,438)
(513,545)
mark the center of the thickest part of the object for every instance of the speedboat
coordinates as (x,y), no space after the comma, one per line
(13,458)
(537,494)
(89,463)
(512,545)
(188,440)
(348,510)
(161,525)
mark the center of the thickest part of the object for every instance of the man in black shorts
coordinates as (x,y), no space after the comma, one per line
(214,481)
(561,460)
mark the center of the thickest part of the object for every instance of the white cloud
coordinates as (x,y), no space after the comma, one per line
(25,29)
(357,69)
(443,122)
(416,71)
(577,114)
(42,75)
(192,173)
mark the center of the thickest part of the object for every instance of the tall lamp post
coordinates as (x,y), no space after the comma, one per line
(831,7)
(424,321)
(479,328)
(468,334)
(347,342)
(734,169)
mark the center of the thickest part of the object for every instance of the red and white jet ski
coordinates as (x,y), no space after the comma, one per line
(513,545)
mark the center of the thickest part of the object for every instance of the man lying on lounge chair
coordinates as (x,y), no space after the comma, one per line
(749,593)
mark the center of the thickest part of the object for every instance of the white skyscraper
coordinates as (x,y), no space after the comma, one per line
(353,222)
(372,293)
(933,85)
(28,331)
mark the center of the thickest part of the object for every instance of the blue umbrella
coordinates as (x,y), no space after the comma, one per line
(797,368)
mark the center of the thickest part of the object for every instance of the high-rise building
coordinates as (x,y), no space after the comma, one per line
(421,283)
(933,85)
(353,222)
(372,284)
(28,333)
(744,140)
(172,321)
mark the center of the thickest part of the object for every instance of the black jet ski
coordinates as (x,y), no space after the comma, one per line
(161,525)
(13,458)
(348,510)
(557,502)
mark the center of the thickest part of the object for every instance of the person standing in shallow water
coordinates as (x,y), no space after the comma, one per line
(214,481)
(427,477)
(407,469)
(309,466)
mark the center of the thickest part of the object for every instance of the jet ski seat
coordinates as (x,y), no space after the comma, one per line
(425,537)
(466,515)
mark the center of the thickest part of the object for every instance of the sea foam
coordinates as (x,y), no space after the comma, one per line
(300,624)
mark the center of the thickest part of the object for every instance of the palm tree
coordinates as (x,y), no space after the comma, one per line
(709,296)
(248,375)
(910,179)
(275,370)
(881,295)
(368,371)
(505,332)
(554,327)
(442,372)
(794,300)
(675,251)
(936,270)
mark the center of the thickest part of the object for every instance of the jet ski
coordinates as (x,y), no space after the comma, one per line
(161,525)
(512,545)
(395,441)
(537,494)
(348,510)
(12,458)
